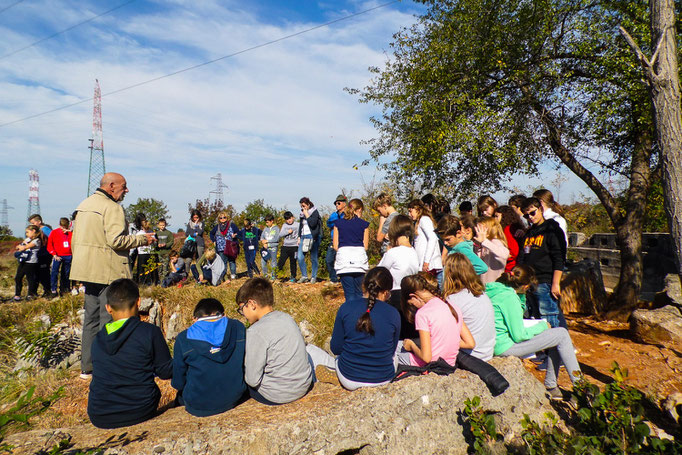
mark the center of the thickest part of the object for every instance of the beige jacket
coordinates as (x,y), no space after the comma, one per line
(100,241)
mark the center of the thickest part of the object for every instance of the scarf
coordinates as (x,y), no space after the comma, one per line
(222,227)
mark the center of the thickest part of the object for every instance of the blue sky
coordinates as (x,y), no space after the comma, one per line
(275,121)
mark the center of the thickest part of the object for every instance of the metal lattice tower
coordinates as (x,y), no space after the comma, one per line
(4,214)
(218,191)
(97,168)
(33,193)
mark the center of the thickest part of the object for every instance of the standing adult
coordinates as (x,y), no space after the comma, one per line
(44,257)
(100,247)
(340,205)
(309,239)
(195,229)
(223,232)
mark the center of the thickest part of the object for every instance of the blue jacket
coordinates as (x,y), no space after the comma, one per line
(364,357)
(217,237)
(208,366)
(124,363)
(332,220)
(245,235)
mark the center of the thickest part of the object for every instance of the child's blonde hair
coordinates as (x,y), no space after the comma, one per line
(210,254)
(495,230)
(353,205)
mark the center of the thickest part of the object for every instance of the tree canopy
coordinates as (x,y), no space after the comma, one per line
(154,210)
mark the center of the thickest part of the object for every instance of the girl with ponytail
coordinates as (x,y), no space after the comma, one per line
(366,333)
(441,328)
(513,338)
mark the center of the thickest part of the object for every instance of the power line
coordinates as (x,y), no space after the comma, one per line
(10,5)
(62,31)
(199,65)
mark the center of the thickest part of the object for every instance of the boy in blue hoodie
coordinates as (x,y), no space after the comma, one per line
(208,361)
(126,355)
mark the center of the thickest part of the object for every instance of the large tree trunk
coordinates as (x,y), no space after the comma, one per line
(664,84)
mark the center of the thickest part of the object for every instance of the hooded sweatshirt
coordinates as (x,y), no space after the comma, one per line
(509,328)
(125,361)
(208,365)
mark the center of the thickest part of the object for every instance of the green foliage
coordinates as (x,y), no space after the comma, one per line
(209,211)
(256,212)
(27,406)
(153,209)
(612,421)
(6,233)
(656,219)
(482,424)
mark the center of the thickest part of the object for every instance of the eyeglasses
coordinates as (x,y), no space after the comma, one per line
(222,217)
(530,214)
(240,310)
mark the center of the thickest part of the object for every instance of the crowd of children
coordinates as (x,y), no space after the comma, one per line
(450,298)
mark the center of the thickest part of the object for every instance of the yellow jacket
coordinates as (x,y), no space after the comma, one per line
(100,241)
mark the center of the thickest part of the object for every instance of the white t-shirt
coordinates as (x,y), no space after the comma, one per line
(479,317)
(401,261)
(426,245)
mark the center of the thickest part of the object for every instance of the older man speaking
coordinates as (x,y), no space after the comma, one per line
(100,247)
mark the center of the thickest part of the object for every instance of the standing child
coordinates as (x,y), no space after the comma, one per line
(270,240)
(165,241)
(250,236)
(59,246)
(27,255)
(493,248)
(454,237)
(384,205)
(441,328)
(351,239)
(208,361)
(289,235)
(146,269)
(276,365)
(426,241)
(126,356)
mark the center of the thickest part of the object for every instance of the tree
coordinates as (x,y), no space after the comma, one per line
(209,211)
(153,209)
(6,233)
(256,212)
(663,82)
(480,90)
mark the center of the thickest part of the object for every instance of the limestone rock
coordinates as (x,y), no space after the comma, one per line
(146,304)
(419,414)
(659,326)
(173,328)
(304,327)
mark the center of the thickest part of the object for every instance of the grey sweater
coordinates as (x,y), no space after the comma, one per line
(271,234)
(276,362)
(289,239)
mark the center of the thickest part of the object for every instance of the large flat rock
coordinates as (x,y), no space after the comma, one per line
(418,414)
(662,326)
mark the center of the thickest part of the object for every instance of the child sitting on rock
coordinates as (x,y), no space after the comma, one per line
(176,267)
(208,361)
(276,365)
(126,355)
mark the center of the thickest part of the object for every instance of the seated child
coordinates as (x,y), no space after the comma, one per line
(176,268)
(457,239)
(276,366)
(126,355)
(208,361)
(209,269)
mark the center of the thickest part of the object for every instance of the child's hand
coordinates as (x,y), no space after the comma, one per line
(556,290)
(481,232)
(409,345)
(425,267)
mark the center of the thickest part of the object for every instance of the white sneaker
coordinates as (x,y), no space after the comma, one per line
(233,277)
(86,376)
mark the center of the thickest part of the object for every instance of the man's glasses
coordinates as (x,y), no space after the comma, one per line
(530,214)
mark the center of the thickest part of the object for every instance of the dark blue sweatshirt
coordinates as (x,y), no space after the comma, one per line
(364,357)
(124,363)
(208,365)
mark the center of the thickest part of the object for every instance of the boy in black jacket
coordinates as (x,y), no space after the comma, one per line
(126,355)
(208,361)
(544,249)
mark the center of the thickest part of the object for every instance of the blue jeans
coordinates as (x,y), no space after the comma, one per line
(331,257)
(550,310)
(227,262)
(314,252)
(352,285)
(205,272)
(65,266)
(250,258)
(272,261)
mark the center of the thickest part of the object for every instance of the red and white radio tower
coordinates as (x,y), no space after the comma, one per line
(97,168)
(33,193)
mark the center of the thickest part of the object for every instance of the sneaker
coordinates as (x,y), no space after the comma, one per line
(293,280)
(74,291)
(313,280)
(303,279)
(85,375)
(16,298)
(555,394)
(326,375)
(233,277)
(542,366)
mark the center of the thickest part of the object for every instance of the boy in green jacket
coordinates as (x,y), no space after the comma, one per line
(165,240)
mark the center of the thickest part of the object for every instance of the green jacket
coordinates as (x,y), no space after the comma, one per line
(166,237)
(509,328)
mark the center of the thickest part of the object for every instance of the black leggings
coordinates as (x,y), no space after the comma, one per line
(288,252)
(30,271)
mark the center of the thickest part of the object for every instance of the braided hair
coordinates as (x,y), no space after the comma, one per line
(377,280)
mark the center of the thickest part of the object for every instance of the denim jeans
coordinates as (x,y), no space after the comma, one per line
(205,272)
(550,310)
(331,257)
(314,251)
(272,261)
(352,285)
(232,264)
(61,269)
(250,258)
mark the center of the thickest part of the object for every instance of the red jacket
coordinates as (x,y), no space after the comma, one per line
(513,249)
(59,242)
